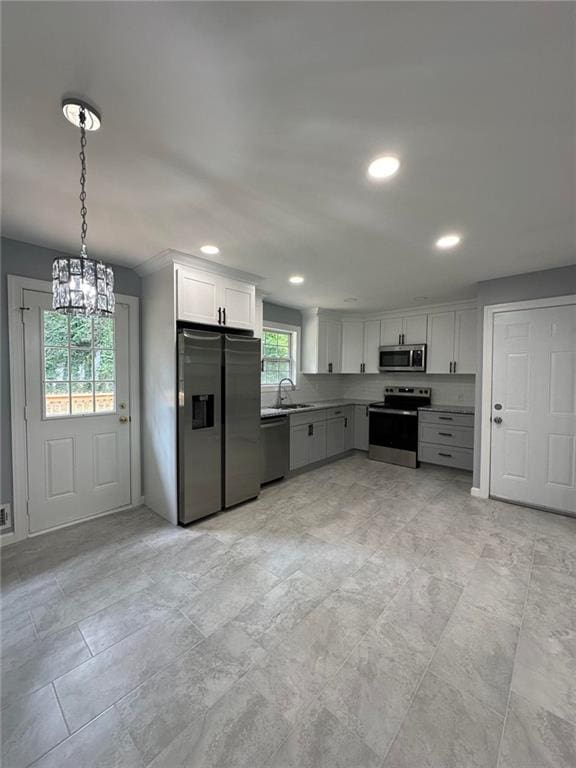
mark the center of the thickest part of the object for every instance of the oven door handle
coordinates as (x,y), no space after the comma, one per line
(397,411)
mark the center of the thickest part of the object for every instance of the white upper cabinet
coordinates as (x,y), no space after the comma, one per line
(391,331)
(410,329)
(440,351)
(414,328)
(360,342)
(321,343)
(212,299)
(198,296)
(371,344)
(466,341)
(330,346)
(452,342)
(352,346)
(238,304)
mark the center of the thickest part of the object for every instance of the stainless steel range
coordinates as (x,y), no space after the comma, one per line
(393,425)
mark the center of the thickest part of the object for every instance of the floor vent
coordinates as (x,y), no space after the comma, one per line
(5,517)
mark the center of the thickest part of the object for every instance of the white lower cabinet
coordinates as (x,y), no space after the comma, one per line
(318,435)
(361,427)
(335,436)
(307,444)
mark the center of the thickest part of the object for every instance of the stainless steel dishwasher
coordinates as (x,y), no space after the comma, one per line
(274,448)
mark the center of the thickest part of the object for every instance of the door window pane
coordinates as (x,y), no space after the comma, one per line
(82,397)
(56,364)
(79,365)
(80,332)
(105,396)
(104,332)
(104,364)
(55,330)
(57,398)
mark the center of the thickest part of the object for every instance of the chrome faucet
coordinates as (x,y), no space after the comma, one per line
(280,398)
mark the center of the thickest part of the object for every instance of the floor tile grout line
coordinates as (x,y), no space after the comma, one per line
(342,665)
(526,599)
(420,681)
(60,708)
(77,625)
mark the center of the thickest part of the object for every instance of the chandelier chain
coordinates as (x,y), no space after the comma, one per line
(83,209)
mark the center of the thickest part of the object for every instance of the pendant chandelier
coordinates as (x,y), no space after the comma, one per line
(82,286)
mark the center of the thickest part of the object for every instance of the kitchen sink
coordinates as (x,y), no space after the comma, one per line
(294,406)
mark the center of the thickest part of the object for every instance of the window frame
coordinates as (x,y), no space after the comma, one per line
(294,331)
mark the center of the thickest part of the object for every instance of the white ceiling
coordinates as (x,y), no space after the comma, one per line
(251,124)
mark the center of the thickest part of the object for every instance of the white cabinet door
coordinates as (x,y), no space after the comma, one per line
(391,331)
(317,442)
(371,344)
(329,346)
(414,329)
(199,296)
(353,346)
(440,342)
(238,302)
(335,436)
(349,430)
(465,341)
(299,446)
(361,427)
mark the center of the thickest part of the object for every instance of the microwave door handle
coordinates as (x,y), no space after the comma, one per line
(411,364)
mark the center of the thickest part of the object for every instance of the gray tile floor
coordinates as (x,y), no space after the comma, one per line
(361,615)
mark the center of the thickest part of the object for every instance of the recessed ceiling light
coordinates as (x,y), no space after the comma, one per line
(450,240)
(296,279)
(210,250)
(383,167)
(351,300)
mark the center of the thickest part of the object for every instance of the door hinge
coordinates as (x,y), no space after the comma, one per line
(25,413)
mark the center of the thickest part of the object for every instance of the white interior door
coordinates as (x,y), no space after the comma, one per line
(533,456)
(77,413)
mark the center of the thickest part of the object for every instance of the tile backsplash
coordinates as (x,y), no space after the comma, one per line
(446,389)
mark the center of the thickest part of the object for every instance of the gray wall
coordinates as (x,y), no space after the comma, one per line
(274,313)
(17,258)
(534,285)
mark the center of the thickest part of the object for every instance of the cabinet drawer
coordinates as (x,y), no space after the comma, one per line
(308,417)
(439,417)
(460,458)
(460,437)
(344,411)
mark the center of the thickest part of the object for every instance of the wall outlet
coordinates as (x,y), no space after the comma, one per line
(5,517)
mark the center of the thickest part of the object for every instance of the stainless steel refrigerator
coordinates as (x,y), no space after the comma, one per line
(218,421)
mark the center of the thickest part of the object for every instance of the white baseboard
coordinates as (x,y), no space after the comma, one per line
(477,493)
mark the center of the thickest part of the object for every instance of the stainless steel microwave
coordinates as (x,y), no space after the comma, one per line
(404,357)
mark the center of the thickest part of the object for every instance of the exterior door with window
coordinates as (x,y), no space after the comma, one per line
(77,413)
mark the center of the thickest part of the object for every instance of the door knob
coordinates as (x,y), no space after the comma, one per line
(123,419)
(497,419)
